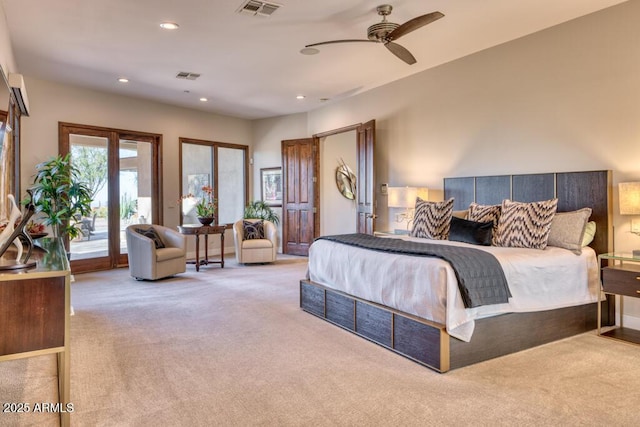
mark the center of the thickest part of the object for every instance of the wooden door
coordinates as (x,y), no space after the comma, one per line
(366,178)
(299,163)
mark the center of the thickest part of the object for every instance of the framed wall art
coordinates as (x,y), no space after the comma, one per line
(271,186)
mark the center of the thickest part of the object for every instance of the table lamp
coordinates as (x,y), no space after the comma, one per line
(629,195)
(405,197)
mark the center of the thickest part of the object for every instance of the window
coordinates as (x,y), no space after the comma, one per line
(219,165)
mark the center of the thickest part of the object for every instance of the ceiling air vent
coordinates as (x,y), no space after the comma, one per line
(186,75)
(256,7)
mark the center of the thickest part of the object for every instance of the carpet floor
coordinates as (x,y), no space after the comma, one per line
(231,347)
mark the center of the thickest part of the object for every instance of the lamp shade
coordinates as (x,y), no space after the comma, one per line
(629,194)
(402,197)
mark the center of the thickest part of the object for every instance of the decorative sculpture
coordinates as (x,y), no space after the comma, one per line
(14,215)
(17,236)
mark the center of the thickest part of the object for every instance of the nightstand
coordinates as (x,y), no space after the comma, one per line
(623,279)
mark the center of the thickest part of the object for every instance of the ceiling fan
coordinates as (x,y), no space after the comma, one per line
(387,32)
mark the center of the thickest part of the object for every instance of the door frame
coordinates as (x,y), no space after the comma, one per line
(365,144)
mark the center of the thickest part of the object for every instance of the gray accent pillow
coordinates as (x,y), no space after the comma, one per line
(525,225)
(567,229)
(432,219)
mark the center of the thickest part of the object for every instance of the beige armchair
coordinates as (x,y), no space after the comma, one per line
(255,250)
(151,263)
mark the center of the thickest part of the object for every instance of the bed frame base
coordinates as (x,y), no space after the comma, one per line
(428,343)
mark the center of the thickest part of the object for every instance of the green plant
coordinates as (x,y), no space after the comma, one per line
(260,210)
(128,206)
(59,196)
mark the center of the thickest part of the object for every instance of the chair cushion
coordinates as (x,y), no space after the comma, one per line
(152,234)
(256,244)
(253,230)
(164,254)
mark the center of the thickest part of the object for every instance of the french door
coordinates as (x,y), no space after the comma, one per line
(122,169)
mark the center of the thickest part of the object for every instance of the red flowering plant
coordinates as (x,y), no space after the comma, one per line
(205,205)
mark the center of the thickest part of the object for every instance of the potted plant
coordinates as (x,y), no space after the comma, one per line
(205,205)
(260,210)
(59,196)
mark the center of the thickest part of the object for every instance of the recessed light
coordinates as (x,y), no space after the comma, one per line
(203,99)
(309,51)
(123,80)
(169,26)
(300,97)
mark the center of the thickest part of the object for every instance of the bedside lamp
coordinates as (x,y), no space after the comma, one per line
(629,194)
(403,197)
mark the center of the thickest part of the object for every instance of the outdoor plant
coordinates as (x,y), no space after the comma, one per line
(59,196)
(260,210)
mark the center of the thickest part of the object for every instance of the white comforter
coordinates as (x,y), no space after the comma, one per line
(427,287)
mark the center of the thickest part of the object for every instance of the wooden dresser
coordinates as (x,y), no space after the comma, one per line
(35,306)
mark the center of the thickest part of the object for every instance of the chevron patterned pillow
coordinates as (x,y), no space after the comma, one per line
(432,219)
(486,213)
(525,225)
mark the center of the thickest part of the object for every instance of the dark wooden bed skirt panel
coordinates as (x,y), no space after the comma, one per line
(513,332)
(429,344)
(422,341)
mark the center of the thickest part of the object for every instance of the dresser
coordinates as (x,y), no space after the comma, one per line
(35,306)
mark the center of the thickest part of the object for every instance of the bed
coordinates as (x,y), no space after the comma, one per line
(370,293)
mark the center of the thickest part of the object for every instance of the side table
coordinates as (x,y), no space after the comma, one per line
(622,279)
(204,230)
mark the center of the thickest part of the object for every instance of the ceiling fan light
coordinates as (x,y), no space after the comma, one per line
(309,51)
(169,25)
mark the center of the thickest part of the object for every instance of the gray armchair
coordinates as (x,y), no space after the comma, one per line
(146,261)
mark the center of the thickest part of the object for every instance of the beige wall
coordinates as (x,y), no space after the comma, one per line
(338,215)
(52,103)
(7,61)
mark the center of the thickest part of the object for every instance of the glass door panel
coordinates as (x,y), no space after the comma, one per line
(90,155)
(136,186)
(231,185)
(197,171)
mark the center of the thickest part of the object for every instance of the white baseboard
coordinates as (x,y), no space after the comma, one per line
(631,322)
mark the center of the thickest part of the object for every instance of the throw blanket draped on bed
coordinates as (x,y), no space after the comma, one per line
(480,277)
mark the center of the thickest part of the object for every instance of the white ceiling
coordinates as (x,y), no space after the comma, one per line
(251,66)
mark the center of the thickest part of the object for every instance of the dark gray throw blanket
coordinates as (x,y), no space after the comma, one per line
(480,277)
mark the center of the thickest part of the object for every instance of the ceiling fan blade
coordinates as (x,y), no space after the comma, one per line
(341,41)
(401,52)
(414,24)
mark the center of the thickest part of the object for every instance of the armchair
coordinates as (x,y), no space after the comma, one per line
(255,250)
(151,260)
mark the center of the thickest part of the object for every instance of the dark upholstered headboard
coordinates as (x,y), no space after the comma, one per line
(574,190)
